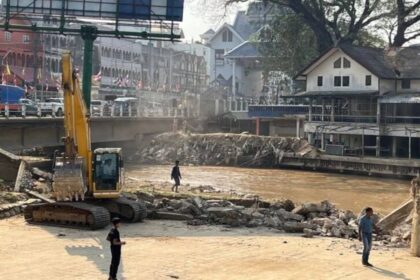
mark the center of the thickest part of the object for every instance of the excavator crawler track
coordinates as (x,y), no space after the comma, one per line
(68,214)
(130,210)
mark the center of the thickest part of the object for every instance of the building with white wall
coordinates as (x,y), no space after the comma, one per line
(364,101)
(236,58)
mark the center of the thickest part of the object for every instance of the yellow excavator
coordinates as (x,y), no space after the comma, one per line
(86,185)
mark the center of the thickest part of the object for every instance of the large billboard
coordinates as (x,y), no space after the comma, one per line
(165,10)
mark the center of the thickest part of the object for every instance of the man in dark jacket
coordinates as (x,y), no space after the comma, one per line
(176,176)
(116,243)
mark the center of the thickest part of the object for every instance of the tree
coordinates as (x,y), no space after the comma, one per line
(406,24)
(335,21)
(288,44)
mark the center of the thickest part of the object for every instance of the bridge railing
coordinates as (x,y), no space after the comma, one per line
(105,111)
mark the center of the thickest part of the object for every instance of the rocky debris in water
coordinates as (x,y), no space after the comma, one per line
(221,149)
(204,189)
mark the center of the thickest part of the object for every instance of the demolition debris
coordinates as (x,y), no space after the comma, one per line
(307,219)
(221,149)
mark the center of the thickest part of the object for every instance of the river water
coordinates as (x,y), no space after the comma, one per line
(346,191)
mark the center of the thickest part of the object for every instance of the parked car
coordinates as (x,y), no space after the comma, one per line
(124,104)
(98,106)
(53,104)
(31,108)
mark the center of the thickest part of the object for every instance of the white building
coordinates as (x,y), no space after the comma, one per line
(236,61)
(364,101)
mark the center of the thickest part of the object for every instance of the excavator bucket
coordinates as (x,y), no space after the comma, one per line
(69,179)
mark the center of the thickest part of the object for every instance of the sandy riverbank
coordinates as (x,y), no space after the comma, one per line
(173,250)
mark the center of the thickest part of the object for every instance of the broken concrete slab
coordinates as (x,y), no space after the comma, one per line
(285,215)
(390,221)
(19,176)
(41,174)
(296,227)
(9,165)
(172,216)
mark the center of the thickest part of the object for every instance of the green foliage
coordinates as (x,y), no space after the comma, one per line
(287,44)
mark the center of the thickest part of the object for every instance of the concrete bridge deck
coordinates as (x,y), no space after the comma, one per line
(18,133)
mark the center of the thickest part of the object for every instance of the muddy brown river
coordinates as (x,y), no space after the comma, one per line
(346,191)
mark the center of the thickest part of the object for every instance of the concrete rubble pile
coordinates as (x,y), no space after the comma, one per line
(13,199)
(221,149)
(309,219)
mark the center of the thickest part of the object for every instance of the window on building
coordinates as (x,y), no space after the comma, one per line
(346,63)
(405,83)
(337,81)
(320,81)
(220,60)
(7,36)
(227,36)
(25,39)
(368,80)
(337,63)
(346,81)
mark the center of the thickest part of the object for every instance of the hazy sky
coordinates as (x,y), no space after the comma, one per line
(198,19)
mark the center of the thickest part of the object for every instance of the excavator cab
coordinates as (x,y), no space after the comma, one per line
(107,172)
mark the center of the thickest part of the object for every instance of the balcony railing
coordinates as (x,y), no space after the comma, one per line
(400,120)
(344,118)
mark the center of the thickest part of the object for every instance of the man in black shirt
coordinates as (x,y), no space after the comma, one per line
(116,243)
(176,176)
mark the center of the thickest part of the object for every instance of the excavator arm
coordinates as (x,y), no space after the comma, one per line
(73,170)
(76,121)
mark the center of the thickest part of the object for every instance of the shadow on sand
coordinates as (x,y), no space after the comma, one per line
(99,254)
(390,274)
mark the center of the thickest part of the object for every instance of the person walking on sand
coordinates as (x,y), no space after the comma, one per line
(176,176)
(366,226)
(116,243)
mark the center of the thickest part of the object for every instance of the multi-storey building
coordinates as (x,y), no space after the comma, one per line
(129,64)
(236,62)
(20,53)
(364,101)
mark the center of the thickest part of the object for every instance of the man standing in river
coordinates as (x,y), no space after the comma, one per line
(366,226)
(176,176)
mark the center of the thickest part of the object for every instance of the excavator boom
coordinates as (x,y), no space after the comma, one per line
(73,171)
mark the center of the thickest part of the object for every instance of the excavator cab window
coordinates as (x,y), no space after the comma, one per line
(107,171)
